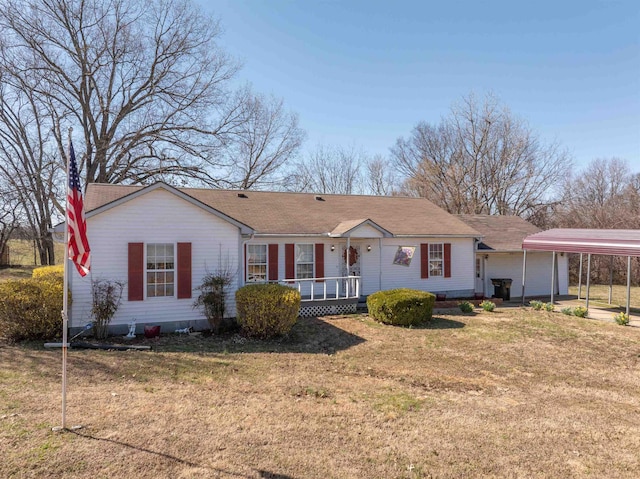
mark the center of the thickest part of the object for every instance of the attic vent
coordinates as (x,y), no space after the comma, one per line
(242,195)
(319,198)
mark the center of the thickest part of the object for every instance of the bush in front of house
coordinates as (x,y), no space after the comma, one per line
(621,318)
(401,307)
(568,311)
(267,310)
(466,307)
(105,300)
(580,312)
(31,308)
(488,305)
(536,305)
(548,307)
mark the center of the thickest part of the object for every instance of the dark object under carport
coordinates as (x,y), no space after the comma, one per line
(502,287)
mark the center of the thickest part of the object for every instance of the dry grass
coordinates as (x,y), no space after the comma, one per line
(507,394)
(22,253)
(599,293)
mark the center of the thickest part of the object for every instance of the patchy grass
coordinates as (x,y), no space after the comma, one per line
(21,253)
(16,272)
(599,295)
(513,393)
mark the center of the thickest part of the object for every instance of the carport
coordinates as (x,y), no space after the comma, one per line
(583,241)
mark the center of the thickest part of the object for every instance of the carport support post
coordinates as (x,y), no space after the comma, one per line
(610,279)
(553,274)
(586,300)
(524,272)
(580,278)
(628,283)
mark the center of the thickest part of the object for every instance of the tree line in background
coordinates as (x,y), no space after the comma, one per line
(151,96)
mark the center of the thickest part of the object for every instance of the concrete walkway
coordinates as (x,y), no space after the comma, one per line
(596,310)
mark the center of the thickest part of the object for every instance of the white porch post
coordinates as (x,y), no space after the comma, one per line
(580,278)
(553,274)
(628,283)
(586,301)
(524,272)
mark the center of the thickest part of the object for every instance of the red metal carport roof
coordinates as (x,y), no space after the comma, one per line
(607,242)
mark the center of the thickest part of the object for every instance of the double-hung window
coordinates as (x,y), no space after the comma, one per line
(160,269)
(304,261)
(436,259)
(256,262)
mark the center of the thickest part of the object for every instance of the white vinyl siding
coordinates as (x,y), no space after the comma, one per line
(157,217)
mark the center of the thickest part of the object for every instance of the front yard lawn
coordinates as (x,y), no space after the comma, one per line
(513,393)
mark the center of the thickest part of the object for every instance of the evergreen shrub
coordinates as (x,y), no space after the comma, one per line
(401,307)
(267,310)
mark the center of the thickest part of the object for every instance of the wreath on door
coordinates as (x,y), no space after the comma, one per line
(353,255)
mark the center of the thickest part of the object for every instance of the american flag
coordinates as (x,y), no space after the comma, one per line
(79,251)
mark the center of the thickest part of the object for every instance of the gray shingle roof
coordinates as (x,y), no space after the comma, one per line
(303,213)
(501,233)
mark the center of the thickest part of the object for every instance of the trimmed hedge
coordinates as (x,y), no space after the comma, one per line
(267,310)
(401,307)
(30,308)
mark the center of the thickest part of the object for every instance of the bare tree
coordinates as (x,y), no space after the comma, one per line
(604,195)
(144,80)
(28,165)
(329,170)
(267,138)
(9,213)
(481,159)
(380,177)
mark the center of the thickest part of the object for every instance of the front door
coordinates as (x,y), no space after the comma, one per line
(354,263)
(479,274)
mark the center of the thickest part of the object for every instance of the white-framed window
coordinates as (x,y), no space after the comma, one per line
(305,260)
(256,263)
(160,269)
(436,259)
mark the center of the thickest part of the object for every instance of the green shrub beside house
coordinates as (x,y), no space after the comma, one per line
(401,307)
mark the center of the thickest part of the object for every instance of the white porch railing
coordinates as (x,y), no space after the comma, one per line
(323,289)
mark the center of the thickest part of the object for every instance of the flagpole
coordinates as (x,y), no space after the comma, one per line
(65,299)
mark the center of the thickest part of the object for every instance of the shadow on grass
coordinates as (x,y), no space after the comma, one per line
(444,323)
(309,335)
(133,447)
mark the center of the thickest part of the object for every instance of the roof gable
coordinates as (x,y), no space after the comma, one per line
(351,227)
(128,193)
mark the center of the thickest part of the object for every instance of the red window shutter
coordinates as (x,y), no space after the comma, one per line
(447,260)
(319,260)
(273,262)
(424,260)
(289,261)
(136,272)
(184,270)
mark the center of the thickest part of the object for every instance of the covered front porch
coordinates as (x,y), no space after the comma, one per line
(322,296)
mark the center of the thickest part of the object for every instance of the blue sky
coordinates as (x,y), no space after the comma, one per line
(363,73)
